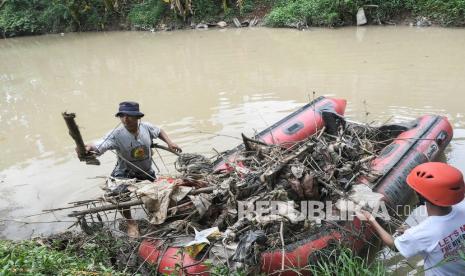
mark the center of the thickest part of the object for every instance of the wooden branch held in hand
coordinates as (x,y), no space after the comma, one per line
(74,132)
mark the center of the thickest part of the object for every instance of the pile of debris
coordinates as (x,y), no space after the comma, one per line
(214,212)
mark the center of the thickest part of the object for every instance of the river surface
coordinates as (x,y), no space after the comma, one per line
(204,88)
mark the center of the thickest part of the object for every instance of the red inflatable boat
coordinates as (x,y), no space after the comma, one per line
(293,128)
(423,141)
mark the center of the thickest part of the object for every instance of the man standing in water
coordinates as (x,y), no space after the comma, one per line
(132,142)
(441,236)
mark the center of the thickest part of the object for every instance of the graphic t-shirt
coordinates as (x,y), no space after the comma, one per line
(438,239)
(130,148)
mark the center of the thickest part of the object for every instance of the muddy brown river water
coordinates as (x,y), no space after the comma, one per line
(204,88)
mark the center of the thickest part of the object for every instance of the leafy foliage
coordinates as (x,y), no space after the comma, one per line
(20,17)
(147,14)
(56,17)
(331,13)
(25,17)
(343,12)
(206,9)
(32,258)
(307,12)
(444,12)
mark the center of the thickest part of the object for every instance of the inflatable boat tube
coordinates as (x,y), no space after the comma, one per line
(291,129)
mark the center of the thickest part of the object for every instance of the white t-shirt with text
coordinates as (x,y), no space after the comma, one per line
(438,239)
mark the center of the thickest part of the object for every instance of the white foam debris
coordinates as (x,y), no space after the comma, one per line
(361,196)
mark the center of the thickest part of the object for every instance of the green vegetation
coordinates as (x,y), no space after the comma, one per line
(343,12)
(223,270)
(332,13)
(147,14)
(342,261)
(26,17)
(76,256)
(206,9)
(306,12)
(102,254)
(443,12)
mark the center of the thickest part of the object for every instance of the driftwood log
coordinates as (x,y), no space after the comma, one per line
(74,132)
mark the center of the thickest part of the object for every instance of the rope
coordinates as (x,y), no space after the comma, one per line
(108,136)
(129,162)
(166,168)
(156,166)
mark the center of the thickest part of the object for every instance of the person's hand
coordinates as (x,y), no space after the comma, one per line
(89,149)
(365,215)
(174,147)
(402,228)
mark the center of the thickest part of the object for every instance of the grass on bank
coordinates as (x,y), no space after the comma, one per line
(342,261)
(29,17)
(443,12)
(146,14)
(331,13)
(26,17)
(77,254)
(100,254)
(289,13)
(77,257)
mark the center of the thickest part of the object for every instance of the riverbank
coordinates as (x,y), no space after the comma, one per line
(23,17)
(104,253)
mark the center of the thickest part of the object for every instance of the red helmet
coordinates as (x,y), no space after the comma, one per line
(439,183)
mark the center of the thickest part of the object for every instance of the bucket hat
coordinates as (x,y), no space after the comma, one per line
(129,108)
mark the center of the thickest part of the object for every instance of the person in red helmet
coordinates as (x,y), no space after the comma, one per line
(441,236)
